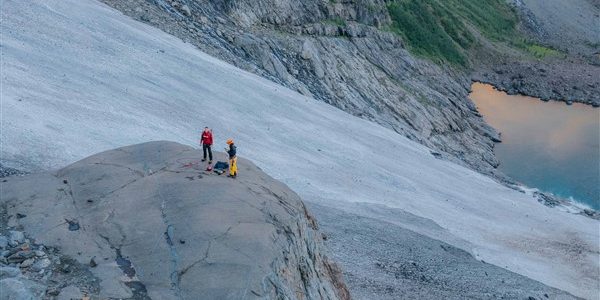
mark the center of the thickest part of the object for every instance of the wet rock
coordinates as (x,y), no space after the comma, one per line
(592,213)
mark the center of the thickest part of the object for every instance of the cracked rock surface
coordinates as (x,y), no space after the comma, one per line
(153,225)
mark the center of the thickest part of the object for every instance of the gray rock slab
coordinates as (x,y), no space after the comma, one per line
(20,289)
(174,231)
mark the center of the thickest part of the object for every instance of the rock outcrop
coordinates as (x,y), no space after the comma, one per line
(147,222)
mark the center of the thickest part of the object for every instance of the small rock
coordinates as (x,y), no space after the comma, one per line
(3,242)
(65,181)
(53,292)
(65,268)
(93,263)
(16,236)
(589,212)
(41,264)
(21,216)
(186,10)
(73,225)
(39,253)
(27,263)
(5,253)
(182,241)
(20,256)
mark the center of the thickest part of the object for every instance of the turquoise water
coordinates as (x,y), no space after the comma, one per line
(547,145)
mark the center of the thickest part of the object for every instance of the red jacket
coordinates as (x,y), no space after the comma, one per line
(207,138)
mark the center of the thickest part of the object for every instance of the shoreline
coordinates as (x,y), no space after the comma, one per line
(570,81)
(544,197)
(519,93)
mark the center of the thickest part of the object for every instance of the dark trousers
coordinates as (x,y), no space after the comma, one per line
(207,148)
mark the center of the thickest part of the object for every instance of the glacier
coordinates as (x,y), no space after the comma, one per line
(79,77)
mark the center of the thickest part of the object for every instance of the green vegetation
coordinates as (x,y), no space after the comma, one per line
(541,52)
(442,30)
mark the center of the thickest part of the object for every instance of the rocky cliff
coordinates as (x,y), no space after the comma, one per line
(335,51)
(145,221)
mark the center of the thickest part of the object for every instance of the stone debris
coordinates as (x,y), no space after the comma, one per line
(29,270)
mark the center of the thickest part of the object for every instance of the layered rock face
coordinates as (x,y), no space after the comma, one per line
(337,52)
(150,223)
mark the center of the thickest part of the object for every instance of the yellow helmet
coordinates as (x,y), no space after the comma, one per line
(229,141)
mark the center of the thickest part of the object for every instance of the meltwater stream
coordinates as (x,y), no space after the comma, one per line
(546,145)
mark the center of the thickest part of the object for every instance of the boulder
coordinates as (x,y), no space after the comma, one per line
(249,237)
(3,242)
(20,289)
(16,237)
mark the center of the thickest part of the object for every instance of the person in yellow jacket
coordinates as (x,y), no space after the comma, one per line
(232,159)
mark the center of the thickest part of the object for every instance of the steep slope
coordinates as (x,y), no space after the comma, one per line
(156,228)
(79,77)
(336,52)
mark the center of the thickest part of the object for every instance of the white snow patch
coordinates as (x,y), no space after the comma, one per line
(79,77)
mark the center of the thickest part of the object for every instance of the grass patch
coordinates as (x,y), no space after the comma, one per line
(542,52)
(441,30)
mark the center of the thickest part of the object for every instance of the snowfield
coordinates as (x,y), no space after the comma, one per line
(79,78)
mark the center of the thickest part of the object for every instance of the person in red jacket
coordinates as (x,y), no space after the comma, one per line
(206,141)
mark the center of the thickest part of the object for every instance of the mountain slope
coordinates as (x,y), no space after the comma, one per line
(335,51)
(79,77)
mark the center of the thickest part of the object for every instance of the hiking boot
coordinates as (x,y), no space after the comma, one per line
(232,176)
(210,161)
(204,159)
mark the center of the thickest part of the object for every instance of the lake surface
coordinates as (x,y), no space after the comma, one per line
(547,145)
